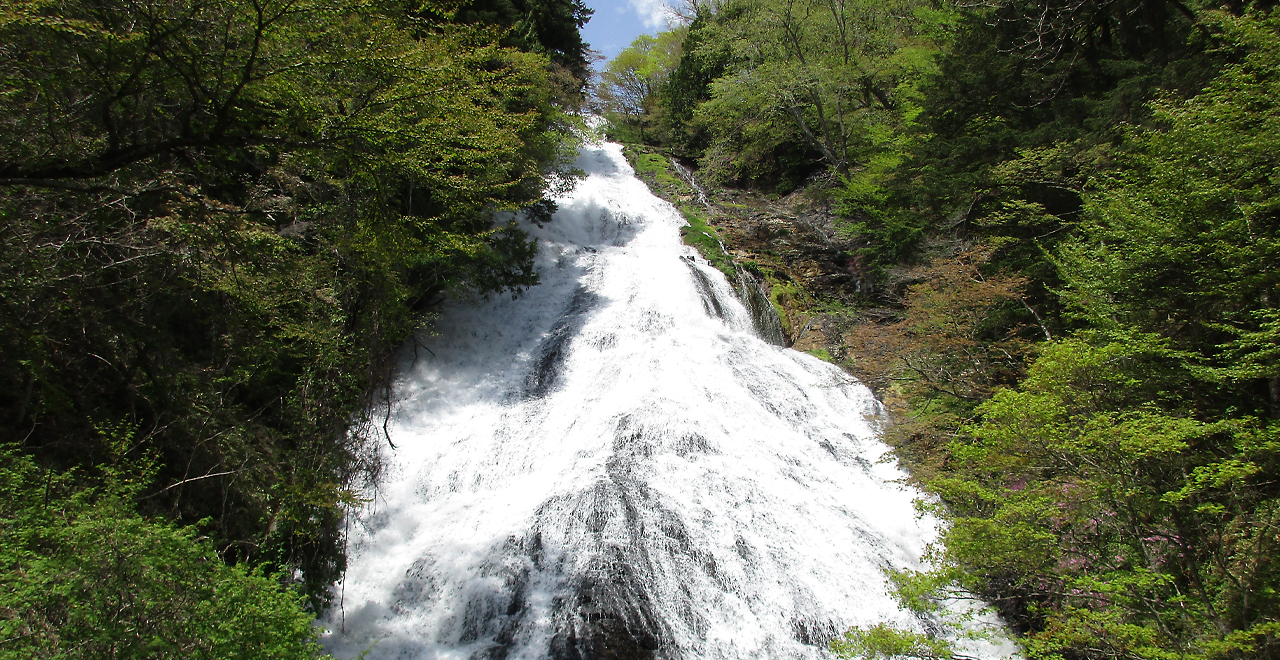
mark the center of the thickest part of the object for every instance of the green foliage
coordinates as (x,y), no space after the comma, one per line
(1090,492)
(1185,240)
(1024,103)
(884,232)
(704,238)
(655,166)
(750,144)
(951,622)
(1125,486)
(703,58)
(84,576)
(219,218)
(836,69)
(629,84)
(550,27)
(1119,501)
(832,80)
(822,354)
(782,292)
(883,641)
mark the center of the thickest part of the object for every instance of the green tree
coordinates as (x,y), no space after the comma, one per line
(1028,101)
(219,219)
(629,84)
(1108,521)
(1184,240)
(704,56)
(838,70)
(1120,501)
(84,576)
(550,27)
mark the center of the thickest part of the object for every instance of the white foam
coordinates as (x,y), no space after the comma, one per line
(605,437)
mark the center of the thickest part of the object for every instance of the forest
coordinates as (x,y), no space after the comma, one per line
(219,217)
(1063,222)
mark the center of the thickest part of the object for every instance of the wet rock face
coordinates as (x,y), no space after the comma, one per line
(800,241)
(794,241)
(610,617)
(551,360)
(611,612)
(710,302)
(755,296)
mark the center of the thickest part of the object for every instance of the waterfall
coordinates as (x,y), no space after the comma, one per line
(763,316)
(686,175)
(751,292)
(616,465)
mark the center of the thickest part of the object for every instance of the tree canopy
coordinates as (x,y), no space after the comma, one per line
(1069,211)
(221,216)
(629,84)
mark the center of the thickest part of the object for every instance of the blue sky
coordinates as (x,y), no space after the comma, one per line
(616,23)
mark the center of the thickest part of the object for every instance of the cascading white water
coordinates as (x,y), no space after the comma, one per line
(615,465)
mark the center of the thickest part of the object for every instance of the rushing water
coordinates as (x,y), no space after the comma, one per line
(616,465)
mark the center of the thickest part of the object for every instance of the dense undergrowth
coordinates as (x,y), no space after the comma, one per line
(1070,210)
(219,218)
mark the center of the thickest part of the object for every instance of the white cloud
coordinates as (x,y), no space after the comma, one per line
(656,14)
